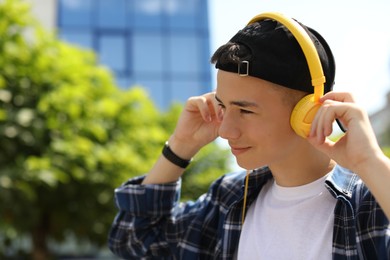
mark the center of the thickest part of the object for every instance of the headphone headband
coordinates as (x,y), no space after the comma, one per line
(307,46)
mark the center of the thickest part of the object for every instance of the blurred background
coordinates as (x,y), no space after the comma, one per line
(91,89)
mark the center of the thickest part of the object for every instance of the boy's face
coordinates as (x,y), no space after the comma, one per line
(256,120)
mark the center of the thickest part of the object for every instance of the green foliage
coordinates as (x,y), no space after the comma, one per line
(69,136)
(386,151)
(208,165)
(385,137)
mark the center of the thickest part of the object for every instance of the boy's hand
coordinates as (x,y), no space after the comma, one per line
(358,146)
(197,126)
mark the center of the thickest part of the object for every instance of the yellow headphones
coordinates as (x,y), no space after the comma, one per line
(304,111)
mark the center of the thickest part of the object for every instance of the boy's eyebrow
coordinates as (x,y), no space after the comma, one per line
(240,103)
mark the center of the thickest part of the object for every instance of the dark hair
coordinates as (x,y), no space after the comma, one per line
(231,52)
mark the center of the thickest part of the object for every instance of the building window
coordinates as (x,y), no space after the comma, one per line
(148,54)
(75,13)
(158,44)
(112,51)
(112,14)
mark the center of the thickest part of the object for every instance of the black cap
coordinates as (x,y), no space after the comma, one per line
(276,56)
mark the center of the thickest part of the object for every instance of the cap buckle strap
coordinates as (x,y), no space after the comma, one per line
(242,67)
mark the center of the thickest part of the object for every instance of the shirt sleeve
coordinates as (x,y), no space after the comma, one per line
(147,200)
(140,227)
(372,226)
(153,224)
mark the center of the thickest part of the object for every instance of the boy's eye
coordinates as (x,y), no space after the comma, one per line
(243,111)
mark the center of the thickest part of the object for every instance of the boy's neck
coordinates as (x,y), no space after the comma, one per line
(302,168)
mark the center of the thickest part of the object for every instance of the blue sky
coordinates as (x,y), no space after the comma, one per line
(356,30)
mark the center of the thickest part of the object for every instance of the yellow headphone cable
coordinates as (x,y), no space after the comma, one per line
(245,195)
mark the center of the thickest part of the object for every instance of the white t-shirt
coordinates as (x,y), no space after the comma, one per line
(289,223)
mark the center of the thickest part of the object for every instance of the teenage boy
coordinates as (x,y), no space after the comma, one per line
(306,198)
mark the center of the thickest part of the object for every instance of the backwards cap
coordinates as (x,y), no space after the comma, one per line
(276,56)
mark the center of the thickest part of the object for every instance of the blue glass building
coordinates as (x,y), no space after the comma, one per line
(162,45)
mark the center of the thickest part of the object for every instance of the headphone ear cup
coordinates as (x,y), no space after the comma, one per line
(303,114)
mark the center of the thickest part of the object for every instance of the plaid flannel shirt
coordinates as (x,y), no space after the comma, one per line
(153,224)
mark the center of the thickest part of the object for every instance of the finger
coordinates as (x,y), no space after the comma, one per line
(219,110)
(214,107)
(342,97)
(207,106)
(325,146)
(199,104)
(338,96)
(322,125)
(329,116)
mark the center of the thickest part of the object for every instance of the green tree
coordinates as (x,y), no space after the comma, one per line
(69,136)
(385,138)
(386,151)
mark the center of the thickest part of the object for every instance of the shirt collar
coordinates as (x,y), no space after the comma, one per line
(341,182)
